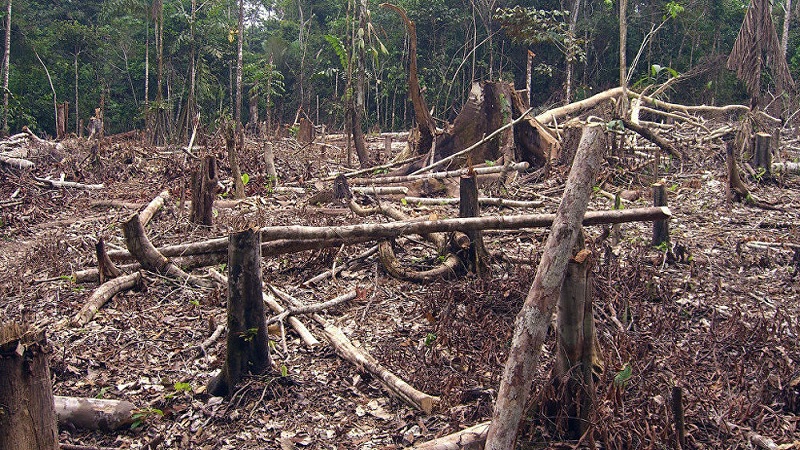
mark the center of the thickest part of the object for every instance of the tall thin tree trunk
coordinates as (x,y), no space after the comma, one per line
(6,68)
(147,63)
(623,64)
(787,18)
(77,107)
(190,102)
(573,25)
(238,107)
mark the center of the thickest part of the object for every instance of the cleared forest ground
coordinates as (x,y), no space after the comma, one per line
(720,319)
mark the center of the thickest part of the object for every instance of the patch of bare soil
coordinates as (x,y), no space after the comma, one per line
(716,313)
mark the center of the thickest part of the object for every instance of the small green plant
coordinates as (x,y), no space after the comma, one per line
(102,392)
(622,377)
(194,302)
(271,182)
(489,163)
(293,130)
(404,202)
(430,338)
(245,178)
(673,187)
(284,370)
(69,278)
(140,416)
(222,267)
(664,246)
(380,171)
(182,387)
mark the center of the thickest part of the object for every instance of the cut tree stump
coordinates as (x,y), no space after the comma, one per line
(477,256)
(205,181)
(27,414)
(576,352)
(762,157)
(660,227)
(248,340)
(535,316)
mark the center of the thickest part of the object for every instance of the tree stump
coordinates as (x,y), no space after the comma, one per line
(204,189)
(305,134)
(660,227)
(468,207)
(576,355)
(762,157)
(247,343)
(62,118)
(27,411)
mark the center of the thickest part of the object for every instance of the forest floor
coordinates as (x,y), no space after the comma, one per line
(721,320)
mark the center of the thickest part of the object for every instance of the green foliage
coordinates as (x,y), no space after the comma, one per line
(673,9)
(245,178)
(622,377)
(430,338)
(141,416)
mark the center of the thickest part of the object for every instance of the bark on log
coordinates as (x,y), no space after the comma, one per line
(248,341)
(93,413)
(150,210)
(102,295)
(205,181)
(27,416)
(485,201)
(578,107)
(654,138)
(364,361)
(660,227)
(575,354)
(471,438)
(441,175)
(535,315)
(143,250)
(786,167)
(18,163)
(300,238)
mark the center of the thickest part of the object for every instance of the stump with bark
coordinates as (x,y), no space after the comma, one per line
(204,189)
(27,412)
(248,342)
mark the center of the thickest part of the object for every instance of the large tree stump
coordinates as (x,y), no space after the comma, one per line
(306,133)
(27,413)
(62,118)
(204,188)
(248,342)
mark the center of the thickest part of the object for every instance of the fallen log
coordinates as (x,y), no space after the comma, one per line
(442,175)
(93,413)
(497,222)
(654,138)
(148,256)
(289,239)
(68,184)
(578,107)
(102,295)
(315,308)
(535,316)
(468,438)
(364,361)
(150,210)
(19,163)
(486,201)
(786,167)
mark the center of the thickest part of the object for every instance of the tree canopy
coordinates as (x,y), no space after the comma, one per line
(106,51)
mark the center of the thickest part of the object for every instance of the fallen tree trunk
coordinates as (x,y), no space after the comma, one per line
(441,175)
(102,295)
(93,413)
(364,361)
(468,438)
(143,250)
(654,138)
(535,316)
(486,201)
(150,210)
(578,107)
(289,239)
